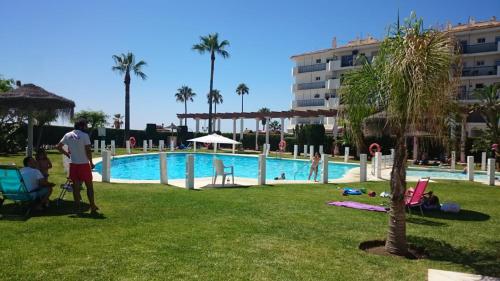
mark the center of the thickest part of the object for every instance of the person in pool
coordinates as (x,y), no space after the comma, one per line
(314,166)
(44,164)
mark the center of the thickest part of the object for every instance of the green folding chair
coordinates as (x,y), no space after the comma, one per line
(12,187)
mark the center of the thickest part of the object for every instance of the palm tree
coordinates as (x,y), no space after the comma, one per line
(264,110)
(489,108)
(124,64)
(117,120)
(242,90)
(216,99)
(210,44)
(184,94)
(410,81)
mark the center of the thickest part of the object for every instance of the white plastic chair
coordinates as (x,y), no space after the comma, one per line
(220,170)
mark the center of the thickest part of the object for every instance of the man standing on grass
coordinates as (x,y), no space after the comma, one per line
(80,169)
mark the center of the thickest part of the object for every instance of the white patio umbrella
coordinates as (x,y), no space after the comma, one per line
(215,139)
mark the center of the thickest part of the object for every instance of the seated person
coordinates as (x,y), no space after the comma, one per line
(36,184)
(43,162)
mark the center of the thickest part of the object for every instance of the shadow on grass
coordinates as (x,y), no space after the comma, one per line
(463,215)
(484,262)
(15,212)
(423,221)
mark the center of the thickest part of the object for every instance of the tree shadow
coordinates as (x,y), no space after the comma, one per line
(463,215)
(16,212)
(423,221)
(484,262)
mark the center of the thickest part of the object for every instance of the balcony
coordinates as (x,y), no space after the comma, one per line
(480,71)
(466,96)
(311,68)
(333,65)
(333,84)
(312,85)
(308,102)
(480,48)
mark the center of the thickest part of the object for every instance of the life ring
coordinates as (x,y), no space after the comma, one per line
(374,147)
(282,145)
(132,141)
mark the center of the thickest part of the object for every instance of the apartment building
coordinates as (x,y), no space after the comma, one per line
(317,74)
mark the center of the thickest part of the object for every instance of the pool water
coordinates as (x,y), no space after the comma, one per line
(147,167)
(456,175)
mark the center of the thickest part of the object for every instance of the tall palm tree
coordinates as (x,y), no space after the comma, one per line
(410,81)
(184,94)
(210,44)
(242,90)
(489,108)
(124,64)
(216,98)
(264,110)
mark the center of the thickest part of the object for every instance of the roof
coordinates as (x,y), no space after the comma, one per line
(473,25)
(350,45)
(262,115)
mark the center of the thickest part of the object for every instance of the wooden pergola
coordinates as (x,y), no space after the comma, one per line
(282,115)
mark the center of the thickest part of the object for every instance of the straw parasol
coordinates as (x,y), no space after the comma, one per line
(29,98)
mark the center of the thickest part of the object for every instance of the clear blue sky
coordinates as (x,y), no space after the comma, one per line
(66,46)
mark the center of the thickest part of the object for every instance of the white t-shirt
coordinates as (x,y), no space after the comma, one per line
(31,177)
(76,141)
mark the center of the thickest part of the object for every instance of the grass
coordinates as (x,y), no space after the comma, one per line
(285,232)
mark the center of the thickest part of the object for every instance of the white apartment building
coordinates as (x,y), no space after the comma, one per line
(317,73)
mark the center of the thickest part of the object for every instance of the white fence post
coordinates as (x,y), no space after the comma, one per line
(190,171)
(163,168)
(127,146)
(483,161)
(151,145)
(161,145)
(144,146)
(262,170)
(103,145)
(96,146)
(324,168)
(470,168)
(453,160)
(346,154)
(491,171)
(362,167)
(305,150)
(172,146)
(194,146)
(321,149)
(295,151)
(106,166)
(234,148)
(378,164)
(113,147)
(311,152)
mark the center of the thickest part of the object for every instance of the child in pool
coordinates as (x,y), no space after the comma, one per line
(44,164)
(314,166)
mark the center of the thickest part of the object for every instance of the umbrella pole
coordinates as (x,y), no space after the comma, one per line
(29,151)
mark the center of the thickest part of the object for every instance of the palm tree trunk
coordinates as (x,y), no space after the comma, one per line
(127,107)
(185,112)
(242,102)
(396,235)
(212,63)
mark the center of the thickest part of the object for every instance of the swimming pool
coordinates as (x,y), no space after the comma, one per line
(147,167)
(443,174)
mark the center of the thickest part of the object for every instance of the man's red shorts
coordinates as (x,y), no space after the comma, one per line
(80,172)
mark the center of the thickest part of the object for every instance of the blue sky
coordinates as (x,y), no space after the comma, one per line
(66,46)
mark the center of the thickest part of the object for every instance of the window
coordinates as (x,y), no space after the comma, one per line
(480,63)
(318,78)
(318,61)
(481,40)
(479,86)
(316,96)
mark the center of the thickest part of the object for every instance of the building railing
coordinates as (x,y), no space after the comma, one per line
(312,85)
(311,68)
(479,48)
(480,70)
(309,102)
(466,95)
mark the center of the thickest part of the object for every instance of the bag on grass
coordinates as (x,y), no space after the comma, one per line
(450,207)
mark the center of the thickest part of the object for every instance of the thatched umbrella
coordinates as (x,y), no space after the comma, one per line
(30,98)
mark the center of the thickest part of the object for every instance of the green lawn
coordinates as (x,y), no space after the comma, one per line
(286,232)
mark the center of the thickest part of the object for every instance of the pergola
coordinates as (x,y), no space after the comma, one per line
(282,115)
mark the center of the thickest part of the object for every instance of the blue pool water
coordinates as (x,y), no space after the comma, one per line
(147,167)
(445,175)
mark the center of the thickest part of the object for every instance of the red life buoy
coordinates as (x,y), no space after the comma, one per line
(374,147)
(282,145)
(132,142)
